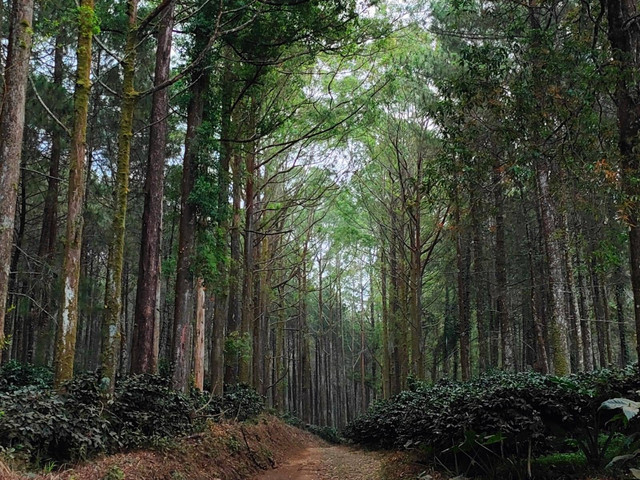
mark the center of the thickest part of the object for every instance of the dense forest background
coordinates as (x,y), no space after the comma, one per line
(322,198)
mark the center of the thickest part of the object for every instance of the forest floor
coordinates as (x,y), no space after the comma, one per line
(265,450)
(328,462)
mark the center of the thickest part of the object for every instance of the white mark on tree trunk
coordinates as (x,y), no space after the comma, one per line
(68,301)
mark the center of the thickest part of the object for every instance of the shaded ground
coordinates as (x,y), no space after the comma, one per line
(228,451)
(328,463)
(266,450)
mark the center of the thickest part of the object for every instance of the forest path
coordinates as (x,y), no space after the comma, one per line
(328,462)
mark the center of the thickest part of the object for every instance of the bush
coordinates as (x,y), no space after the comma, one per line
(145,408)
(15,375)
(329,434)
(496,419)
(80,422)
(50,426)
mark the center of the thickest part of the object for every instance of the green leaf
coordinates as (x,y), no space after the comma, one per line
(622,458)
(629,407)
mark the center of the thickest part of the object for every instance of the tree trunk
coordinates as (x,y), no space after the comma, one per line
(481,285)
(620,317)
(147,323)
(111,334)
(11,133)
(506,330)
(386,359)
(598,309)
(49,230)
(624,36)
(221,307)
(587,341)
(248,290)
(464,324)
(183,310)
(198,349)
(234,313)
(542,359)
(68,316)
(559,330)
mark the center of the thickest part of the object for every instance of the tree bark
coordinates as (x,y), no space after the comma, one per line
(464,323)
(620,317)
(49,230)
(559,330)
(147,323)
(506,331)
(234,313)
(481,285)
(68,316)
(386,358)
(624,36)
(11,133)
(221,307)
(111,333)
(198,349)
(248,290)
(183,310)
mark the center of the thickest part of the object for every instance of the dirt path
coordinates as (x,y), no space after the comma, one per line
(327,463)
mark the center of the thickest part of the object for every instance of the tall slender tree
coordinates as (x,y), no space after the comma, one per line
(68,317)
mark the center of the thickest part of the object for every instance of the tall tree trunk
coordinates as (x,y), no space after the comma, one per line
(574,309)
(221,307)
(49,230)
(506,329)
(248,290)
(464,323)
(396,335)
(147,323)
(479,277)
(624,36)
(198,348)
(598,309)
(111,334)
(386,359)
(68,316)
(587,340)
(305,351)
(559,330)
(183,310)
(234,313)
(620,317)
(542,359)
(11,132)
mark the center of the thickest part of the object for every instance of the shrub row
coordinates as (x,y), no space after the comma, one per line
(45,425)
(499,415)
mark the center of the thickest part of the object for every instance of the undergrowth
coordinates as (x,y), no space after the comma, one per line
(43,425)
(504,424)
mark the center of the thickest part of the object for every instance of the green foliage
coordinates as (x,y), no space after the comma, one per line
(330,434)
(237,345)
(493,421)
(114,473)
(77,424)
(239,402)
(15,375)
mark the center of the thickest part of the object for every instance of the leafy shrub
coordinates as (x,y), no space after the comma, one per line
(145,407)
(15,375)
(330,434)
(50,426)
(497,418)
(80,422)
(239,402)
